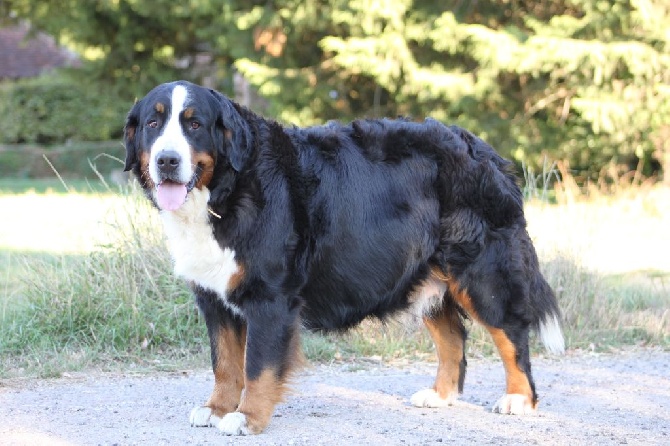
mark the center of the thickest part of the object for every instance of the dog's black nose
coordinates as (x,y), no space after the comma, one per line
(168,161)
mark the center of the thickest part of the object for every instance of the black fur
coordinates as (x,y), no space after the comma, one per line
(337,223)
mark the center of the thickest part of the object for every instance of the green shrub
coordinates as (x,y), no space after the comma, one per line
(55,109)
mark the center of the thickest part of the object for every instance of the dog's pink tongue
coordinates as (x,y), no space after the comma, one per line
(170,196)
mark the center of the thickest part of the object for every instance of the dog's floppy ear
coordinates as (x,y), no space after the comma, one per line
(130,136)
(232,133)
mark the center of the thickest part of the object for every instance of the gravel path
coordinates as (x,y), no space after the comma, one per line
(588,399)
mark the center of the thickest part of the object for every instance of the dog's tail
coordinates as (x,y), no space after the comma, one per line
(547,321)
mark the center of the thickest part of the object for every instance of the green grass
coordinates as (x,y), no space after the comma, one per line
(602,311)
(86,284)
(10,270)
(110,299)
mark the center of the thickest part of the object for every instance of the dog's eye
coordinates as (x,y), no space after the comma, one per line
(153,124)
(195,125)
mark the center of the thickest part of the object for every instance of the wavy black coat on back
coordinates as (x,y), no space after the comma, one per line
(355,215)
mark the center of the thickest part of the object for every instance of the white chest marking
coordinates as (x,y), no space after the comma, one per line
(197,255)
(172,138)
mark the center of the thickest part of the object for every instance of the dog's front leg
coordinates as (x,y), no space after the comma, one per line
(272,353)
(227,335)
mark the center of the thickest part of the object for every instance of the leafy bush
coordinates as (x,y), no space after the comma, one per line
(55,109)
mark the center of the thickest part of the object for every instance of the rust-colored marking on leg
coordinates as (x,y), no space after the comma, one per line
(262,394)
(462,298)
(448,338)
(517,381)
(260,398)
(228,372)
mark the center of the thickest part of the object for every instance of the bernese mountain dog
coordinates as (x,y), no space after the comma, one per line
(279,228)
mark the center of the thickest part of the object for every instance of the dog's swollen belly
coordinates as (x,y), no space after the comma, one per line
(332,302)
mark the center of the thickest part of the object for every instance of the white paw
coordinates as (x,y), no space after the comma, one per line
(201,416)
(234,423)
(514,404)
(430,398)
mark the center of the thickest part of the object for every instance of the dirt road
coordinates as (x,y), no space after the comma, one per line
(585,399)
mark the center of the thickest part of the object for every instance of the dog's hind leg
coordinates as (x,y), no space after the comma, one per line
(520,397)
(510,335)
(448,332)
(227,334)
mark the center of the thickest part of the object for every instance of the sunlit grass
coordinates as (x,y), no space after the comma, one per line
(52,185)
(86,282)
(57,223)
(606,258)
(610,235)
(99,288)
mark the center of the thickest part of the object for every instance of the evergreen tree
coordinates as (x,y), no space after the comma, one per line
(587,81)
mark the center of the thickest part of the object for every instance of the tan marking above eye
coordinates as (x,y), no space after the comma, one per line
(188,113)
(160,107)
(228,371)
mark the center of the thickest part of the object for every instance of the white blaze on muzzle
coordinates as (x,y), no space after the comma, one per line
(171,195)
